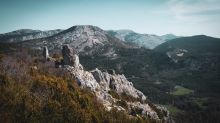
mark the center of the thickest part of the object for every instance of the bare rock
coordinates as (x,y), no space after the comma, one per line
(46,53)
(69,56)
(101,82)
(103,78)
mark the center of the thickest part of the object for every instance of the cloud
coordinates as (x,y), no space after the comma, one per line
(195,10)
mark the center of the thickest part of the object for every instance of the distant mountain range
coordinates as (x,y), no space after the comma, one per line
(199,44)
(26,34)
(87,39)
(142,40)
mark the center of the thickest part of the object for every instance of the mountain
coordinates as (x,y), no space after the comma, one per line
(86,39)
(81,32)
(26,34)
(168,37)
(197,60)
(142,40)
(197,53)
(199,44)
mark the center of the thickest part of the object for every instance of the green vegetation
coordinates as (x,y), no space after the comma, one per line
(200,101)
(199,44)
(179,91)
(174,110)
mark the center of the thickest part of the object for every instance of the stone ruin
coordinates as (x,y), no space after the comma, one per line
(46,53)
(68,53)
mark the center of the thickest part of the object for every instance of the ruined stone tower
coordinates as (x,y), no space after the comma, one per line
(45,53)
(69,57)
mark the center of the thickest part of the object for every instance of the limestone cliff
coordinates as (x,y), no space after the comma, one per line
(103,83)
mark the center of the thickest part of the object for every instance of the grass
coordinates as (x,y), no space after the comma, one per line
(179,91)
(200,101)
(174,110)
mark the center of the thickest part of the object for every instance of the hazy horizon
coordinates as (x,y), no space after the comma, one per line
(179,17)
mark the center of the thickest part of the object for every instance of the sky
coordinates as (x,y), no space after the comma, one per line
(179,17)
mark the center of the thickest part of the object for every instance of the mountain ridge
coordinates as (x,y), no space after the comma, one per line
(26,34)
(129,36)
(148,41)
(197,43)
(86,39)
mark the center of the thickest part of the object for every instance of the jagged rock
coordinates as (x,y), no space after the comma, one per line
(143,109)
(164,112)
(121,85)
(71,62)
(100,83)
(69,56)
(118,83)
(102,78)
(84,78)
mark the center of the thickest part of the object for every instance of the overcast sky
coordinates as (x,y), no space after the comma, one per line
(180,17)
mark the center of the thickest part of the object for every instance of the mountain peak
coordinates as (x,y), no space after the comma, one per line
(169,36)
(142,40)
(201,36)
(125,31)
(84,27)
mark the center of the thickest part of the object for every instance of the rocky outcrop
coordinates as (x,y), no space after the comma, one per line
(101,83)
(71,63)
(69,56)
(118,83)
(45,53)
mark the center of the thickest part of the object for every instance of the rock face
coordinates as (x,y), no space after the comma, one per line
(45,53)
(69,57)
(101,83)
